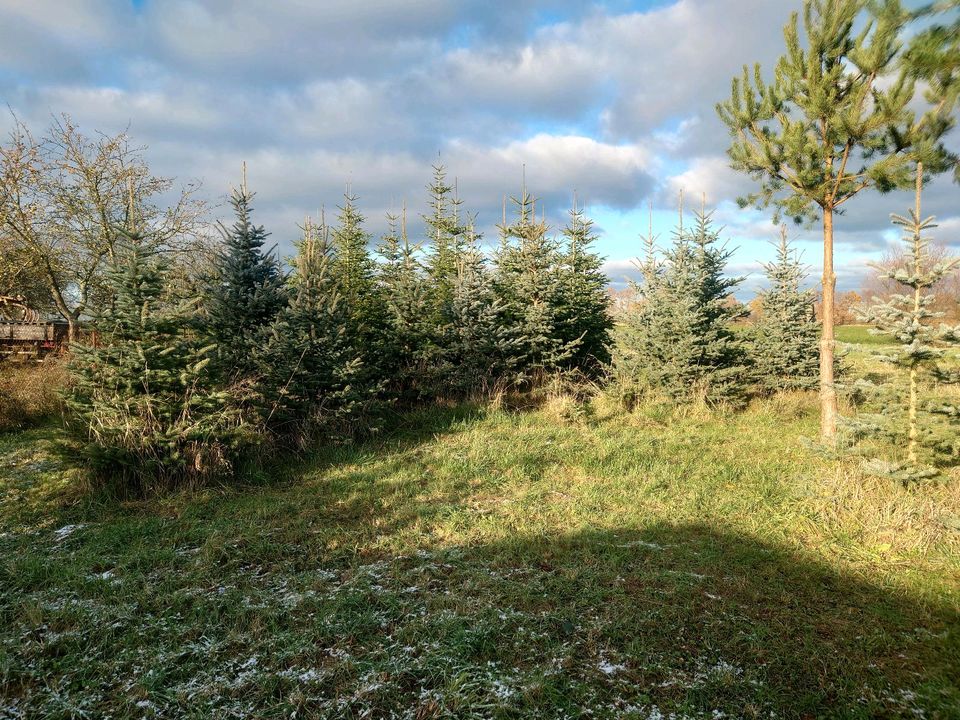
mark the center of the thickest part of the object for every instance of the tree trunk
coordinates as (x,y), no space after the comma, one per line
(72,327)
(828,391)
(917,304)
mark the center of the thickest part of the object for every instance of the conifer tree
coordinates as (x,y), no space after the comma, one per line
(142,402)
(527,287)
(401,284)
(828,127)
(355,278)
(244,293)
(583,313)
(933,56)
(928,429)
(480,352)
(310,374)
(446,237)
(787,335)
(678,338)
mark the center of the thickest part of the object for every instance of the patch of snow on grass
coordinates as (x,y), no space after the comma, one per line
(644,544)
(66,531)
(501,690)
(608,668)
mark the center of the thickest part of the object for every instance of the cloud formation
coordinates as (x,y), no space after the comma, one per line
(613,100)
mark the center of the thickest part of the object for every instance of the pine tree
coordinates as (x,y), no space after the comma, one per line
(142,402)
(480,352)
(787,335)
(933,56)
(829,126)
(678,338)
(401,284)
(583,314)
(244,293)
(928,429)
(527,286)
(355,277)
(444,248)
(311,376)
(445,237)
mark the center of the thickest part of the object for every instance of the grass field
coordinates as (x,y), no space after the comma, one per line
(566,561)
(861,335)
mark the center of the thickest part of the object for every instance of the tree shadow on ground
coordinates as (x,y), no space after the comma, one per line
(696,618)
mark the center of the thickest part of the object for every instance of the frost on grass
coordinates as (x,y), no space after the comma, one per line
(386,638)
(66,531)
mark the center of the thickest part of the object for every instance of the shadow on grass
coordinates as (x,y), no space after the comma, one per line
(702,619)
(690,619)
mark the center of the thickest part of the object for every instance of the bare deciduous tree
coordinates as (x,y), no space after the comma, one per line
(64,200)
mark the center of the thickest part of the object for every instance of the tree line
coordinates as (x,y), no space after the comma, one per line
(209,348)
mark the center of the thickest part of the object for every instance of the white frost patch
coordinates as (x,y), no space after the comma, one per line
(66,531)
(502,690)
(644,544)
(608,668)
(105,576)
(703,674)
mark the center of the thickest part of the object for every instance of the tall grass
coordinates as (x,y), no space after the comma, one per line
(30,392)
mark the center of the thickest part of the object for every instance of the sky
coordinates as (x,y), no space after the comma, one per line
(613,101)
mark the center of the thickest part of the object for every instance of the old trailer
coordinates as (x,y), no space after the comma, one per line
(31,340)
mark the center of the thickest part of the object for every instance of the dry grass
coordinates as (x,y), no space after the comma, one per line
(30,392)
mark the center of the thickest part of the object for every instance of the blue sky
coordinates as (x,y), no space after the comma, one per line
(613,100)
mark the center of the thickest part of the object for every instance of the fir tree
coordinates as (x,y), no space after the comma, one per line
(829,126)
(244,293)
(583,313)
(445,237)
(678,338)
(401,284)
(142,400)
(787,334)
(354,273)
(480,351)
(928,429)
(310,374)
(527,286)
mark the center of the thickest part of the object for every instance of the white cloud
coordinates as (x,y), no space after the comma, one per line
(615,105)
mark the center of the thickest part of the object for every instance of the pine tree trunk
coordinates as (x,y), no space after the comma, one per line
(828,392)
(917,268)
(912,451)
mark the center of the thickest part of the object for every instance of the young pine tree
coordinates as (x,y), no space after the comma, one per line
(244,293)
(836,120)
(479,353)
(787,334)
(527,286)
(446,236)
(142,402)
(678,337)
(926,429)
(354,273)
(310,373)
(401,284)
(583,315)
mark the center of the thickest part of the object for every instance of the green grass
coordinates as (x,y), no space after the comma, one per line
(564,562)
(861,335)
